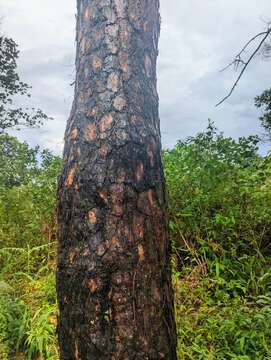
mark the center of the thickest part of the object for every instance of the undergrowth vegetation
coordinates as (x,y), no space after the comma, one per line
(220,223)
(27,255)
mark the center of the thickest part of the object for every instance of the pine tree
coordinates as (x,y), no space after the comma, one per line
(114,275)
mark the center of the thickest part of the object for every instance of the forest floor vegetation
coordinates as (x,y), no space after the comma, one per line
(220,226)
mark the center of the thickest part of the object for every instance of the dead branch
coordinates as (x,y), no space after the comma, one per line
(239,61)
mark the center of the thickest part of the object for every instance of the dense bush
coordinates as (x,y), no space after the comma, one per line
(220,222)
(27,253)
(27,194)
(219,192)
(28,309)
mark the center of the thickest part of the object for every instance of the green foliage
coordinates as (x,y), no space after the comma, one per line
(219,193)
(27,194)
(28,308)
(264,101)
(11,312)
(225,315)
(18,162)
(11,86)
(27,231)
(220,221)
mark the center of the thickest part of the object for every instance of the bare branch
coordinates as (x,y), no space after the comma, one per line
(238,60)
(235,62)
(252,39)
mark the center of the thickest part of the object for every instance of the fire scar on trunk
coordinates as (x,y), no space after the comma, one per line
(70,177)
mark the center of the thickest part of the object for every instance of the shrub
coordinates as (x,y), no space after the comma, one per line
(220,220)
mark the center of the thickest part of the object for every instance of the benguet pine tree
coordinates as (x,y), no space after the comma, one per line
(114,274)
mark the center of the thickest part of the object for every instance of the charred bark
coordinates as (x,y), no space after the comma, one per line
(114,275)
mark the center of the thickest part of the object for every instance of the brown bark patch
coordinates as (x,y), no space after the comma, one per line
(103,195)
(148,64)
(83,45)
(138,227)
(92,285)
(124,64)
(156,294)
(118,299)
(119,103)
(98,307)
(100,250)
(117,192)
(74,134)
(86,72)
(139,172)
(72,255)
(112,30)
(90,132)
(113,82)
(81,103)
(70,177)
(114,243)
(92,217)
(146,26)
(117,210)
(151,198)
(121,176)
(106,122)
(144,342)
(88,13)
(147,203)
(76,352)
(96,62)
(103,151)
(93,111)
(141,252)
(86,252)
(151,155)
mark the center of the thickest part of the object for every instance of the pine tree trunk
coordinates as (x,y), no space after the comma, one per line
(114,274)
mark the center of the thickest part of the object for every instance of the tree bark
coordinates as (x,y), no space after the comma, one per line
(114,274)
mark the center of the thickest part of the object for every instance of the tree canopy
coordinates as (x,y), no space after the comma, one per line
(263,101)
(11,86)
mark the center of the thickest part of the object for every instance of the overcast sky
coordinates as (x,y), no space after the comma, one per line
(198,38)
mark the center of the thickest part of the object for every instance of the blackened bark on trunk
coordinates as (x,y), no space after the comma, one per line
(114,274)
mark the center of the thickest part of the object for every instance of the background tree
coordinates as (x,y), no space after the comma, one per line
(27,193)
(18,162)
(264,101)
(114,273)
(10,86)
